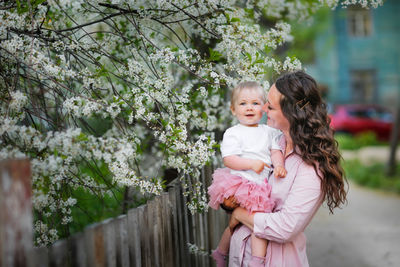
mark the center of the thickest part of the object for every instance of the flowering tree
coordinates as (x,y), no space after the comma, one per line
(103,95)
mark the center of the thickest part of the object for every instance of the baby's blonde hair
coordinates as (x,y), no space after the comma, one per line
(247,86)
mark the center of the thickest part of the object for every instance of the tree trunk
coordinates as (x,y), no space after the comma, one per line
(391,165)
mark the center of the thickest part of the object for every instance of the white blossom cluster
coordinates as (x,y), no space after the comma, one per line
(362,3)
(18,101)
(194,249)
(102,96)
(80,107)
(45,236)
(283,9)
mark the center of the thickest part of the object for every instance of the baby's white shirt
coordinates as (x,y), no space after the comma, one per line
(252,143)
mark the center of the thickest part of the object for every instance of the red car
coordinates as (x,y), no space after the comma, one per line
(358,118)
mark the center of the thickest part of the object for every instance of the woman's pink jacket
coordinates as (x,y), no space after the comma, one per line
(298,197)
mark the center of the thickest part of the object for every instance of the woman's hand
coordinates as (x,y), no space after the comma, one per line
(230,203)
(241,215)
(233,222)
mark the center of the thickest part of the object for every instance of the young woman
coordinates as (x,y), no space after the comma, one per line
(314,175)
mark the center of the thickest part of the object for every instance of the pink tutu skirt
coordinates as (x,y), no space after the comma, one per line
(250,195)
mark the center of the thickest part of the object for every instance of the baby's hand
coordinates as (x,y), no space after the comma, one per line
(258,166)
(280,171)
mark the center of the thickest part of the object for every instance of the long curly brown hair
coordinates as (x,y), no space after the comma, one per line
(306,112)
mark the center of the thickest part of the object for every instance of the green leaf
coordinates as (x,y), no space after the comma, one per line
(139,149)
(267,49)
(19,8)
(214,55)
(23,6)
(81,137)
(164,123)
(228,19)
(248,56)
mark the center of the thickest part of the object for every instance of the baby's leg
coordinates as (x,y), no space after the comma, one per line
(221,253)
(223,244)
(258,251)
(258,246)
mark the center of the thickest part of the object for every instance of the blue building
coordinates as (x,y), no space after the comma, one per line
(358,56)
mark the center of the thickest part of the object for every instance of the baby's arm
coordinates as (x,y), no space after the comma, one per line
(236,162)
(279,163)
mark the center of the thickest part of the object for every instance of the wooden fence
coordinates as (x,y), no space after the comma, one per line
(154,234)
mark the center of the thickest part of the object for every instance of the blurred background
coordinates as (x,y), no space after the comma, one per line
(354,54)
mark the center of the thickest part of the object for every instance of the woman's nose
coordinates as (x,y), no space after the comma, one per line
(265,108)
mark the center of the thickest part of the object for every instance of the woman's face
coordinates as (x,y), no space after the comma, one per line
(276,119)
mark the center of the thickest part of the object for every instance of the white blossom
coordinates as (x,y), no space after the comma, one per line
(100,103)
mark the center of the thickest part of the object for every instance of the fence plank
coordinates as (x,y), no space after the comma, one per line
(201,239)
(109,242)
(94,242)
(122,246)
(193,239)
(15,213)
(158,238)
(205,179)
(217,222)
(38,257)
(175,227)
(134,236)
(145,236)
(182,221)
(59,254)
(188,226)
(77,250)
(167,227)
(153,233)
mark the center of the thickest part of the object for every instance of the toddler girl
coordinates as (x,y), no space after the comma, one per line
(248,150)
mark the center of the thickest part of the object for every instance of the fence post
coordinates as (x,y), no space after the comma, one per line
(39,257)
(59,255)
(145,235)
(175,225)
(78,251)
(95,245)
(167,228)
(121,231)
(16,237)
(134,229)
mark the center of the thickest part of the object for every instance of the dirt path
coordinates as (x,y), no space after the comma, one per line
(370,154)
(366,233)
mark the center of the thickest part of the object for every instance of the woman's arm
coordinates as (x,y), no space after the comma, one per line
(236,162)
(303,200)
(241,215)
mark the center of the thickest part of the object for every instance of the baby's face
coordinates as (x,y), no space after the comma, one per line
(248,107)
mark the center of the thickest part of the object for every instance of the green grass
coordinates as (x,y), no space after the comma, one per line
(349,142)
(372,176)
